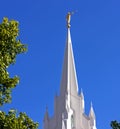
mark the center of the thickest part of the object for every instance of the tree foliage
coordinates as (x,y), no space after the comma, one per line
(14,121)
(10,47)
(115,125)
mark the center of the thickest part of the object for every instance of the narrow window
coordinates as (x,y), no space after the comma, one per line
(72,122)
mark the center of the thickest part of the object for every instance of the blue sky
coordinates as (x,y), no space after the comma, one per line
(95,32)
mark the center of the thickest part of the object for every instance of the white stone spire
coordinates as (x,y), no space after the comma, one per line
(82,101)
(91,113)
(92,118)
(46,119)
(69,82)
(69,105)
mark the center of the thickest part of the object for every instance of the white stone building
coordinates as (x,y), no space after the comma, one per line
(69,105)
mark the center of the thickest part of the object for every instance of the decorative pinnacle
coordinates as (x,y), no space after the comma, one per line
(91,104)
(46,108)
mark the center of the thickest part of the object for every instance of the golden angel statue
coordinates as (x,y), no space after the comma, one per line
(68,18)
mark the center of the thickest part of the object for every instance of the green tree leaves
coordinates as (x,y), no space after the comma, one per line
(10,47)
(14,121)
(115,125)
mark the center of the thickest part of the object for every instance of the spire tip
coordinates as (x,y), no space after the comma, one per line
(68,19)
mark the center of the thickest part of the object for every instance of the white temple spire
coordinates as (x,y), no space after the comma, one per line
(69,105)
(92,118)
(91,113)
(69,82)
(46,116)
(82,101)
(46,119)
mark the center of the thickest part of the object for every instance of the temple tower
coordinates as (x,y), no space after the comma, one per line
(69,105)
